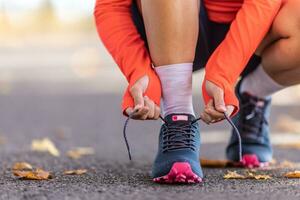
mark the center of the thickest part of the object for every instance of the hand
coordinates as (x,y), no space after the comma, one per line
(144,107)
(215,108)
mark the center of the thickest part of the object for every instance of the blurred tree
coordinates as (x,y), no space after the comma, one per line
(3,16)
(46,9)
(46,18)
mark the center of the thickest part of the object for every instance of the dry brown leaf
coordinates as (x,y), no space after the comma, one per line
(75,172)
(286,123)
(251,175)
(214,163)
(79,152)
(233,175)
(37,174)
(295,174)
(2,140)
(45,145)
(22,166)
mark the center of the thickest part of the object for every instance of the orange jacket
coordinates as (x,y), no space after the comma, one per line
(250,21)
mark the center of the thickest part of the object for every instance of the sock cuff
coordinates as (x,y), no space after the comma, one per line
(180,67)
(267,78)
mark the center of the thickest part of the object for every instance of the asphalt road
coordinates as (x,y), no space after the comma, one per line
(93,120)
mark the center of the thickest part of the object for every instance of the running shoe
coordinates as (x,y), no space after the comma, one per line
(177,160)
(252,123)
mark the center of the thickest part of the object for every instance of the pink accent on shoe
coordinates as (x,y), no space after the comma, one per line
(180,118)
(252,161)
(181,172)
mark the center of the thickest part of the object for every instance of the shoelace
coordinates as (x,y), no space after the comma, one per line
(255,118)
(178,136)
(198,119)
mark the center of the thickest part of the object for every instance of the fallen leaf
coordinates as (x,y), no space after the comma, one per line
(214,163)
(288,124)
(75,172)
(295,174)
(233,175)
(2,140)
(22,166)
(79,152)
(37,174)
(45,145)
(251,175)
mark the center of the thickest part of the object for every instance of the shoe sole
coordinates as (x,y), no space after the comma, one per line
(181,172)
(251,161)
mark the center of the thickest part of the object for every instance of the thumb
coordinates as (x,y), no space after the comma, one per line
(137,95)
(129,111)
(219,101)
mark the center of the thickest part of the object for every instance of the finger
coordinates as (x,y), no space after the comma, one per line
(137,95)
(136,114)
(129,111)
(157,112)
(206,118)
(214,114)
(141,114)
(230,110)
(151,105)
(219,102)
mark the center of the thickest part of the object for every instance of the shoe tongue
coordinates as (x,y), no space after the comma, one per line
(179,118)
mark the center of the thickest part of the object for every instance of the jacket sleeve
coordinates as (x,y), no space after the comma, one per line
(250,26)
(121,38)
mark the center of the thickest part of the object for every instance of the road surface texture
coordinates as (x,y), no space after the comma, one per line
(93,120)
(67,88)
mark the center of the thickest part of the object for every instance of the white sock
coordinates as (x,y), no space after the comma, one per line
(260,84)
(176,81)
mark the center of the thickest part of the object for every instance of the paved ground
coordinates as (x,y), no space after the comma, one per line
(63,85)
(93,120)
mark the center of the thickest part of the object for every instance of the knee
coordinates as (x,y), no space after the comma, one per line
(287,22)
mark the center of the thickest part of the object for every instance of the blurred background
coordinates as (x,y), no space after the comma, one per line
(53,43)
(55,74)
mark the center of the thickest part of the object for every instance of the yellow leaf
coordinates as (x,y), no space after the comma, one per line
(250,175)
(258,176)
(37,174)
(233,175)
(214,163)
(79,152)
(45,145)
(75,172)
(22,166)
(295,174)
